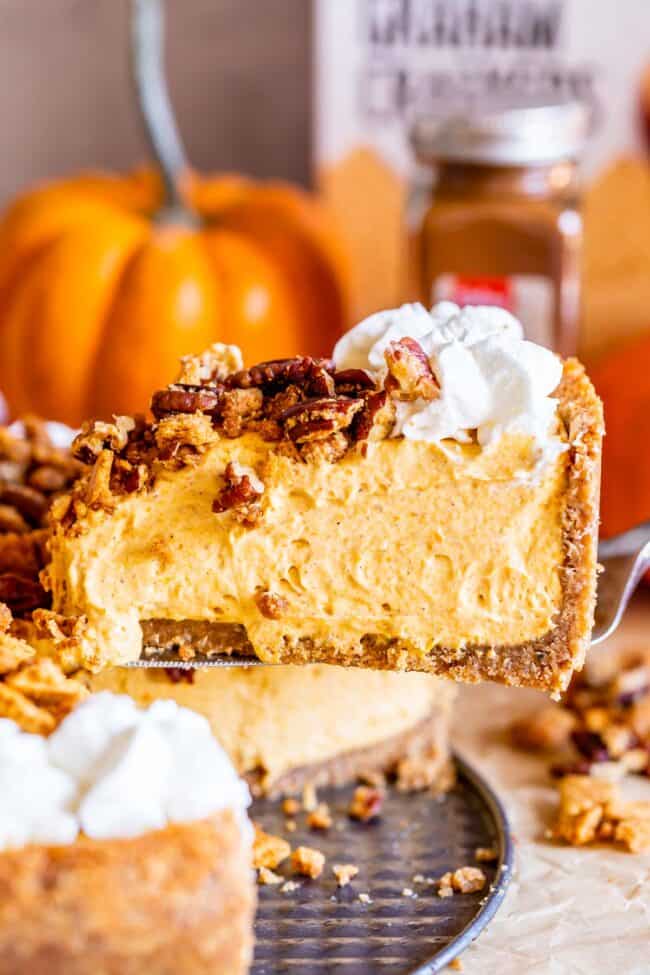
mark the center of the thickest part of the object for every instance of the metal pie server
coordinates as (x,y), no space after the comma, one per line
(624,559)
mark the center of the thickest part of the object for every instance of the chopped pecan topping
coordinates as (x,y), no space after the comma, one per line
(181,398)
(410,375)
(96,435)
(316,419)
(592,810)
(366,803)
(271,605)
(241,492)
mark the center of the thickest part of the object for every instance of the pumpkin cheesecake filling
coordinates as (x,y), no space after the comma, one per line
(437,512)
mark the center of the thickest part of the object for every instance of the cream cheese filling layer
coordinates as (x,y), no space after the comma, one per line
(438,544)
(276,719)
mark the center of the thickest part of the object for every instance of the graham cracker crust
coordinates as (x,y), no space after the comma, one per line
(418,758)
(180,899)
(546,663)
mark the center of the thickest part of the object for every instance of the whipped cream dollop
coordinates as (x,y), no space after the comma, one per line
(491,379)
(113,770)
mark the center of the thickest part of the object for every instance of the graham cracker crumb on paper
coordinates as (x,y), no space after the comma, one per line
(592,810)
(269,851)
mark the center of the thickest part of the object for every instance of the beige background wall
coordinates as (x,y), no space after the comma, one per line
(239,73)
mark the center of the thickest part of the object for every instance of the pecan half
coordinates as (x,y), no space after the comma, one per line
(316,419)
(31,504)
(182,398)
(21,594)
(410,375)
(351,382)
(279,373)
(241,491)
(11,521)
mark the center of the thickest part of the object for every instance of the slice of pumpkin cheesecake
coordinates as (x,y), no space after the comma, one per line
(426,500)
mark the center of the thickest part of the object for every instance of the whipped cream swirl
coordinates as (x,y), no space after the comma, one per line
(492,380)
(112,770)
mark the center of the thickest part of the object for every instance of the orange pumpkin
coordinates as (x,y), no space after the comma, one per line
(623,382)
(99,299)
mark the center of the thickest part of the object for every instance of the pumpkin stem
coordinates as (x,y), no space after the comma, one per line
(147,43)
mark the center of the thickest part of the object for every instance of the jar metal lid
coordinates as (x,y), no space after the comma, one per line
(504,133)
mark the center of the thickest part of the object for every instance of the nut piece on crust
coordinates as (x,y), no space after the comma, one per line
(366,803)
(410,375)
(271,605)
(307,861)
(269,851)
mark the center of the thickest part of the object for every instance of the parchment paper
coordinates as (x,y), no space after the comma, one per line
(568,911)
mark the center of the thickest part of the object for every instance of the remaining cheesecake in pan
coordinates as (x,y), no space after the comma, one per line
(286,727)
(124,840)
(426,500)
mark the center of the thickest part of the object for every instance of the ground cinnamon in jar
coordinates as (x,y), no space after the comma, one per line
(503,225)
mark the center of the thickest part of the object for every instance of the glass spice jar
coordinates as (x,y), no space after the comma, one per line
(503,225)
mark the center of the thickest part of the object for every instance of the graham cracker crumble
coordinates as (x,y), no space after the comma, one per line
(35,693)
(268,850)
(464,880)
(603,726)
(344,873)
(307,861)
(320,817)
(366,803)
(591,810)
